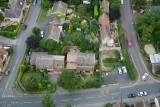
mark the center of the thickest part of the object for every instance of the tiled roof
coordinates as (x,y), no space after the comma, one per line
(56,20)
(1,63)
(15,11)
(105,5)
(104,20)
(53,32)
(3,51)
(35,54)
(60,7)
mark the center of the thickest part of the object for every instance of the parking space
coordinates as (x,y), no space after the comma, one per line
(115,78)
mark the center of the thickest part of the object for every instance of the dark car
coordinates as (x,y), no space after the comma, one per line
(34,2)
(7,71)
(24,27)
(131,95)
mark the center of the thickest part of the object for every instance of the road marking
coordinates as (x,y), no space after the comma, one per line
(134,62)
(15,102)
(77,99)
(143,63)
(115,93)
(38,101)
(27,102)
(102,96)
(3,102)
(89,97)
(65,100)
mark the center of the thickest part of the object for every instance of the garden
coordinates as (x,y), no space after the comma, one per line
(4,3)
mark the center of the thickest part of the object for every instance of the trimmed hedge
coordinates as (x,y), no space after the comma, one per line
(9,34)
(124,50)
(110,60)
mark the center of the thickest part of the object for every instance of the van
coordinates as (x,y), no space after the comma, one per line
(34,2)
(129,41)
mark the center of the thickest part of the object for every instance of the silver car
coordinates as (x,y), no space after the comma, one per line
(119,71)
(144,77)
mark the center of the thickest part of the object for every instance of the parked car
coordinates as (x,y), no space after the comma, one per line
(119,71)
(124,69)
(24,27)
(144,77)
(34,2)
(42,33)
(143,93)
(142,11)
(129,41)
(132,95)
(7,71)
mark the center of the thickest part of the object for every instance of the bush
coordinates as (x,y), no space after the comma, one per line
(108,105)
(111,60)
(96,11)
(10,51)
(46,5)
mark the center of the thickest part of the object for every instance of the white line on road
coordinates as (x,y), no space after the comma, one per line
(15,102)
(65,100)
(134,62)
(102,96)
(115,93)
(2,102)
(89,97)
(77,99)
(27,102)
(143,63)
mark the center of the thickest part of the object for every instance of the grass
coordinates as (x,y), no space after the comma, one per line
(125,54)
(11,28)
(110,60)
(42,16)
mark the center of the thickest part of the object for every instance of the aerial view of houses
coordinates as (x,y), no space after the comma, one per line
(79,53)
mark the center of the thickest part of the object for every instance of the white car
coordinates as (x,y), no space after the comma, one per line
(124,69)
(144,77)
(42,33)
(144,93)
(119,70)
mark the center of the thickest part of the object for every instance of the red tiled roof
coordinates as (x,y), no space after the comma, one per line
(105,5)
(1,63)
(104,20)
(3,51)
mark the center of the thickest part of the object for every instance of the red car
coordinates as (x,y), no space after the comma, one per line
(129,41)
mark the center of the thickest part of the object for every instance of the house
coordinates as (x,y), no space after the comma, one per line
(86,1)
(59,9)
(3,54)
(15,13)
(155,61)
(105,6)
(81,61)
(118,104)
(34,56)
(56,21)
(53,32)
(157,101)
(105,34)
(53,63)
(1,64)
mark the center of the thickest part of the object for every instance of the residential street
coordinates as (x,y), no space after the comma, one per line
(7,41)
(86,97)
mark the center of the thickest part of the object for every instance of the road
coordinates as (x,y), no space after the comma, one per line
(136,57)
(86,98)
(19,51)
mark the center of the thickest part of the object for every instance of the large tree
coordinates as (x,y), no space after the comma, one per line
(68,80)
(46,5)
(36,31)
(33,42)
(75,2)
(47,101)
(114,14)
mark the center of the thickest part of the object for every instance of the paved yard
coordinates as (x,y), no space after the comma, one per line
(115,78)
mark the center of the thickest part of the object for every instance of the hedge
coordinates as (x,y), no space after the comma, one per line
(11,35)
(111,60)
(124,50)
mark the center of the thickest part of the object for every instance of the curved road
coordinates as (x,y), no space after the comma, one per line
(85,98)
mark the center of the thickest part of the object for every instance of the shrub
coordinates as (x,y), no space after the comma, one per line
(96,11)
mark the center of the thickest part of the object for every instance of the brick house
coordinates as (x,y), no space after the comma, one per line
(3,57)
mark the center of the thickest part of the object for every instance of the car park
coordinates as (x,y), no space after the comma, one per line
(7,71)
(132,95)
(144,77)
(119,71)
(143,93)
(124,69)
(24,27)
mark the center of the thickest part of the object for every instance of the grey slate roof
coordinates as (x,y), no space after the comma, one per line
(15,11)
(60,7)
(53,32)
(34,56)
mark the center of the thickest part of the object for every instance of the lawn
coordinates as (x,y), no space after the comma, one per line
(42,16)
(4,3)
(11,28)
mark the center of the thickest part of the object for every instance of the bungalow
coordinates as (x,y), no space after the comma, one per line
(81,61)
(155,61)
(86,1)
(59,9)
(53,63)
(105,34)
(15,13)
(53,32)
(105,6)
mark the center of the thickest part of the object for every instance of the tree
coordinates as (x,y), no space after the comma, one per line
(93,25)
(68,105)
(96,11)
(75,2)
(36,31)
(114,14)
(108,105)
(114,4)
(68,80)
(47,101)
(82,9)
(33,42)
(1,17)
(137,4)
(46,5)
(10,51)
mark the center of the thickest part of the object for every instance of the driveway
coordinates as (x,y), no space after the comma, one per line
(113,78)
